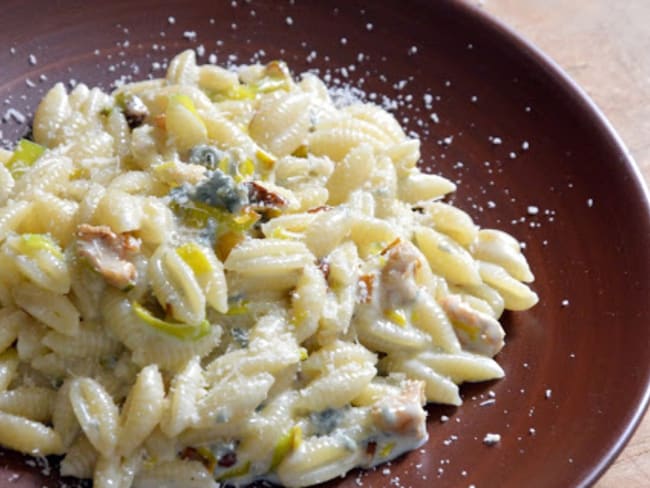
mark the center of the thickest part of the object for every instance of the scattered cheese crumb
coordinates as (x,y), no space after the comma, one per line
(491,439)
(565,302)
(289,21)
(171,20)
(532,210)
(32,59)
(548,393)
(590,202)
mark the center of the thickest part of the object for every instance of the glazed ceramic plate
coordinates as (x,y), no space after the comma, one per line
(530,153)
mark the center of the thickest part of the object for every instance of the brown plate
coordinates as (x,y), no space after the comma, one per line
(532,154)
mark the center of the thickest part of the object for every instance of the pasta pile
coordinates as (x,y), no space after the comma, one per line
(221,277)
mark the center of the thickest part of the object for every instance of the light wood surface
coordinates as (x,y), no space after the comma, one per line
(605,46)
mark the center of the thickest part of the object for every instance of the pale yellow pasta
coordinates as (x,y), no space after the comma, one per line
(429,317)
(516,295)
(90,341)
(175,286)
(233,398)
(404,155)
(307,302)
(183,69)
(447,258)
(225,276)
(142,410)
(10,322)
(96,413)
(51,215)
(51,308)
(180,410)
(65,422)
(495,246)
(318,459)
(268,257)
(177,473)
(453,222)
(52,112)
(418,187)
(351,173)
(8,368)
(32,402)
(80,459)
(438,388)
(28,436)
(121,211)
(45,267)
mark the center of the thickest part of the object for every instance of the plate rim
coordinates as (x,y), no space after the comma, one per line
(569,86)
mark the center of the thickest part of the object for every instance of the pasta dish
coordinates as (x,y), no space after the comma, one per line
(222,276)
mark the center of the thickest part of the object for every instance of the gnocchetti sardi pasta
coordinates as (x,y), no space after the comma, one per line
(222,276)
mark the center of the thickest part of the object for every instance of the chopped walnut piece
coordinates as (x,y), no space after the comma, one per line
(106,252)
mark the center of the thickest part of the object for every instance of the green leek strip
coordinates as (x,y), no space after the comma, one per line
(30,244)
(197,214)
(194,257)
(287,443)
(177,329)
(236,472)
(185,101)
(24,156)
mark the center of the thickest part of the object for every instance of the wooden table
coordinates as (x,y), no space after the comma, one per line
(604,45)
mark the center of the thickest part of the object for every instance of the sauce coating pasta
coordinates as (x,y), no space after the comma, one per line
(221,277)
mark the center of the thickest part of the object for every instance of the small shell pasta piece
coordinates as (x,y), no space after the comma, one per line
(453,222)
(351,173)
(188,474)
(495,246)
(120,211)
(80,459)
(181,408)
(116,471)
(462,366)
(28,437)
(438,388)
(147,344)
(63,417)
(233,399)
(50,115)
(183,69)
(404,155)
(378,117)
(268,257)
(319,459)
(142,410)
(11,320)
(175,286)
(446,257)
(209,274)
(96,413)
(184,124)
(11,216)
(419,187)
(327,231)
(32,402)
(52,309)
(337,388)
(215,79)
(307,302)
(8,367)
(336,139)
(429,317)
(40,260)
(516,295)
(281,123)
(90,341)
